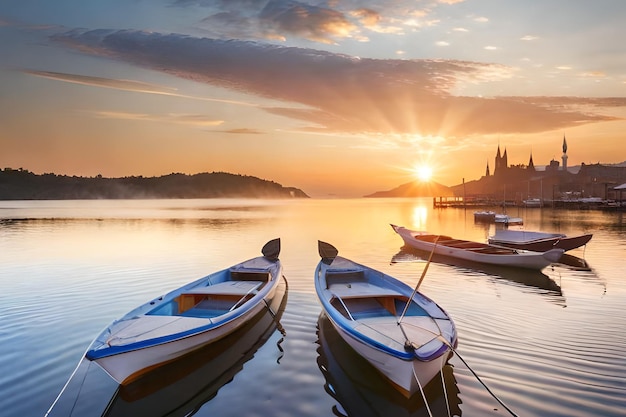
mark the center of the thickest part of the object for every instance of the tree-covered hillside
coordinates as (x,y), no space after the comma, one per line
(20,184)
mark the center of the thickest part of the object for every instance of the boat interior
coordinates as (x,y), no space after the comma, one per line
(465,245)
(359,308)
(356,298)
(217,299)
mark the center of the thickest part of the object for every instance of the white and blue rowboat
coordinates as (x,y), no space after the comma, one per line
(188,318)
(407,344)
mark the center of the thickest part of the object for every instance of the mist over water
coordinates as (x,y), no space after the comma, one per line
(547,343)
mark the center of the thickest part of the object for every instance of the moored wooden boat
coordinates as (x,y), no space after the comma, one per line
(179,388)
(476,251)
(538,241)
(405,335)
(188,318)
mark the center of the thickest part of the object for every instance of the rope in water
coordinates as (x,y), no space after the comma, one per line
(495,397)
(443,384)
(422,392)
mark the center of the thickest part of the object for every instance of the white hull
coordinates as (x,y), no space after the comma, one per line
(128,366)
(530,260)
(401,373)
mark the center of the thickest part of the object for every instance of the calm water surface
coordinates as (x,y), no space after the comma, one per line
(549,343)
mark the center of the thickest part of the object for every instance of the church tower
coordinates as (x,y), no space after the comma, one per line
(487,170)
(564,157)
(501,162)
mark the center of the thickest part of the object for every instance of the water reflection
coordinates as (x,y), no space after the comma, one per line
(362,392)
(176,389)
(574,262)
(420,217)
(536,280)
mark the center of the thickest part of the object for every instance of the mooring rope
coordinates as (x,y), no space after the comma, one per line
(422,392)
(485,385)
(443,384)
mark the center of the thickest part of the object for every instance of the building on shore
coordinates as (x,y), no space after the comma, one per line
(516,184)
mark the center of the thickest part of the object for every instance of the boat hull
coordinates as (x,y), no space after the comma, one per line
(544,245)
(129,366)
(530,260)
(406,376)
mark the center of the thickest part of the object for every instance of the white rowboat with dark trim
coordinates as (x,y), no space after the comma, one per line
(476,251)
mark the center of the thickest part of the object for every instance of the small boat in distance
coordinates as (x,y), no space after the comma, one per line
(476,251)
(485,216)
(188,318)
(533,202)
(508,220)
(488,216)
(405,335)
(537,241)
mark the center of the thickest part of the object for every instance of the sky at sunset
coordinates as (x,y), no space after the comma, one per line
(338,98)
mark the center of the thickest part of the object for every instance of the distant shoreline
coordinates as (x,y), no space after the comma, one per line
(21,184)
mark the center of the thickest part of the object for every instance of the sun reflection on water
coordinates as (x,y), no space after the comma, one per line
(419,217)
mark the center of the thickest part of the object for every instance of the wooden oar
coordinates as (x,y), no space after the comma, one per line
(430,257)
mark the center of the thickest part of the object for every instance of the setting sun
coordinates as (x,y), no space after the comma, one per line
(423,172)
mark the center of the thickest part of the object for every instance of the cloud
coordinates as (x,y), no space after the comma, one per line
(310,22)
(194,120)
(367,17)
(280,20)
(335,93)
(125,85)
(326,22)
(243,131)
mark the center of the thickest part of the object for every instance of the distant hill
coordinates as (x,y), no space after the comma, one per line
(416,189)
(24,185)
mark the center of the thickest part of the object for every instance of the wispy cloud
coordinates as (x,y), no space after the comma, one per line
(125,85)
(194,120)
(243,131)
(341,93)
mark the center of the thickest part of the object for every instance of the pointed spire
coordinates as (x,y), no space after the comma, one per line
(531,164)
(487,171)
(564,145)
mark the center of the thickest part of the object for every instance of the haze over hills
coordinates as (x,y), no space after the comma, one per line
(21,184)
(416,189)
